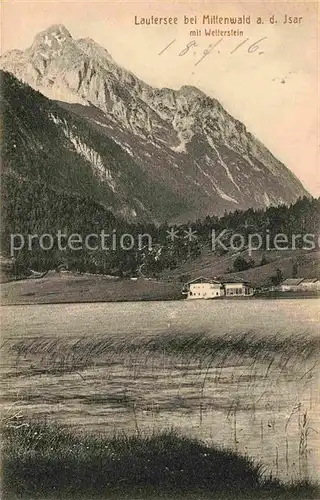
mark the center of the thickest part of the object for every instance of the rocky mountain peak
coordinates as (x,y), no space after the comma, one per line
(191,91)
(52,37)
(47,45)
(95,52)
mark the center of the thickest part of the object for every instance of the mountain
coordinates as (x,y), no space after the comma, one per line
(44,143)
(145,153)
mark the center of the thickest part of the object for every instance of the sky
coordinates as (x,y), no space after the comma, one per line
(273,90)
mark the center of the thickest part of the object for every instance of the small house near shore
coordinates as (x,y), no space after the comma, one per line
(310,285)
(238,288)
(300,285)
(207,288)
(290,284)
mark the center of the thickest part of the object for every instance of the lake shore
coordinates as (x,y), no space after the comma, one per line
(59,463)
(69,288)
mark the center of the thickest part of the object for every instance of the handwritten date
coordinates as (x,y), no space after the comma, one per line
(253,47)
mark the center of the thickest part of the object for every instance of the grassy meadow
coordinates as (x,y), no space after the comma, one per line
(70,287)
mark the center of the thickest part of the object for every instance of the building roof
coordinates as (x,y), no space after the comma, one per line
(292,281)
(233,281)
(202,279)
(222,281)
(307,281)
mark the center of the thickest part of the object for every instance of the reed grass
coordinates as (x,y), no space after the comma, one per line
(65,354)
(199,360)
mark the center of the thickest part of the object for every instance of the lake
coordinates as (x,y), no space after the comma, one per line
(266,316)
(241,374)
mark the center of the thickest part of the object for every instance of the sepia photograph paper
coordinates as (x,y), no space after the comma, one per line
(160,244)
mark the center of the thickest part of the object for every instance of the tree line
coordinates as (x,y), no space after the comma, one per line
(30,207)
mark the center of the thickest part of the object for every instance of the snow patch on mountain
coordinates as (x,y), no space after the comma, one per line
(124,146)
(203,172)
(225,196)
(181,148)
(225,166)
(220,192)
(266,199)
(86,152)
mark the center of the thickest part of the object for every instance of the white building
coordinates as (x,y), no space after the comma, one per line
(310,285)
(236,289)
(206,288)
(300,285)
(290,285)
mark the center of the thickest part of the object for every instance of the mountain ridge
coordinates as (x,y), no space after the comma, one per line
(182,140)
